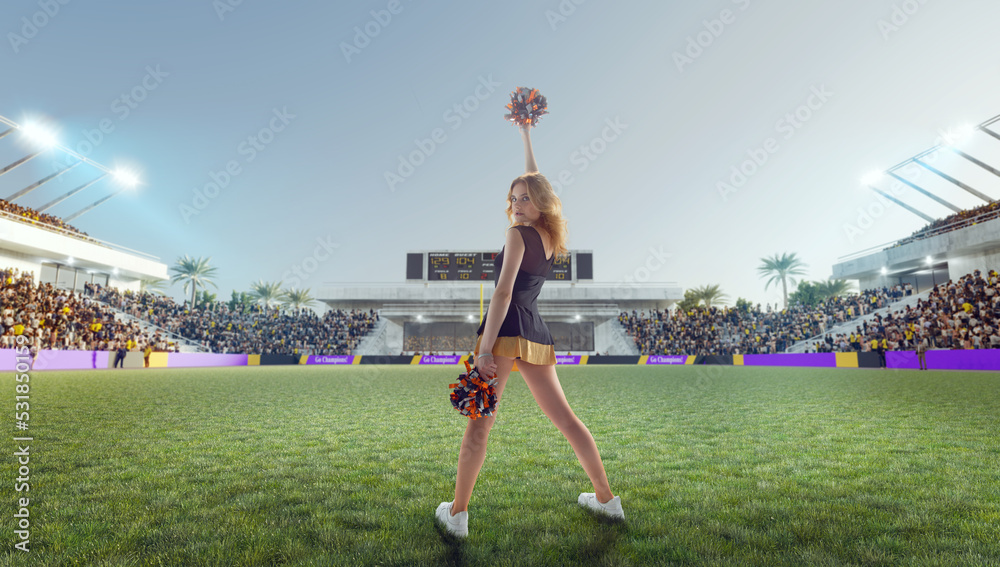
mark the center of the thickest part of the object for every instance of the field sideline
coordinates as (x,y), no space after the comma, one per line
(314,465)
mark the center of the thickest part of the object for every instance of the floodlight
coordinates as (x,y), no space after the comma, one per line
(39,136)
(126,178)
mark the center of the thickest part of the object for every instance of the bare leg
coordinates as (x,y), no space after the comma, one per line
(545,387)
(473,451)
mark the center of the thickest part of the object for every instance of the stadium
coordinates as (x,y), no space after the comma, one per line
(852,422)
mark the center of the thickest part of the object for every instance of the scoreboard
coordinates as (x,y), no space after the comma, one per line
(478,266)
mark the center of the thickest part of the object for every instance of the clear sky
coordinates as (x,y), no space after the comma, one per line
(653,103)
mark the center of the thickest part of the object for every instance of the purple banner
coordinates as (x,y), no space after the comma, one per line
(61,360)
(330,359)
(8,359)
(72,360)
(902,359)
(960,359)
(666,359)
(814,359)
(197,359)
(441,359)
(568,359)
(983,359)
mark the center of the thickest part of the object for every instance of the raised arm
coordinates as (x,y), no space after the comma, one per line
(529,157)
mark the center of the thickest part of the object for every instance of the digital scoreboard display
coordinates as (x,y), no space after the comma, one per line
(478,266)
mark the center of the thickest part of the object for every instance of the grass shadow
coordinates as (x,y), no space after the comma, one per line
(456,546)
(603,541)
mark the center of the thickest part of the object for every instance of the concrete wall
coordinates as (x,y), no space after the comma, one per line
(984,261)
(969,248)
(373,296)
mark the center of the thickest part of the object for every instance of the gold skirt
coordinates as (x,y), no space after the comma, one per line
(520,347)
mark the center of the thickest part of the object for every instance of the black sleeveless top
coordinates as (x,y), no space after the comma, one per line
(522,316)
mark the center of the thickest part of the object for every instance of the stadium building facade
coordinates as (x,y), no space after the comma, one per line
(68,260)
(438,308)
(924,263)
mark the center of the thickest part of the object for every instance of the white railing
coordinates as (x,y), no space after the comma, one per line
(374,341)
(958,224)
(62,231)
(144,324)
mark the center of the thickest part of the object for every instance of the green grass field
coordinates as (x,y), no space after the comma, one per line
(345,466)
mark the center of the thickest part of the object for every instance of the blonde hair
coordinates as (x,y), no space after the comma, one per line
(549,206)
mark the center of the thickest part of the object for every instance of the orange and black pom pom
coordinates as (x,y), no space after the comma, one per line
(526,106)
(473,396)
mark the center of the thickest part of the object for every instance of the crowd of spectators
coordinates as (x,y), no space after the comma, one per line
(752,330)
(58,319)
(52,318)
(29,215)
(956,221)
(252,328)
(963,314)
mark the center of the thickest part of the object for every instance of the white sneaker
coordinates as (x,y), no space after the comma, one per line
(612,508)
(457,525)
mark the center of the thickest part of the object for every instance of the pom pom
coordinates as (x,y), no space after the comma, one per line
(473,396)
(526,106)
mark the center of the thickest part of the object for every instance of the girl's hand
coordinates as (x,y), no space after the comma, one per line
(486,367)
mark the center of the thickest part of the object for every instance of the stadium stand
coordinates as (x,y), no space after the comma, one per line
(252,329)
(59,319)
(962,314)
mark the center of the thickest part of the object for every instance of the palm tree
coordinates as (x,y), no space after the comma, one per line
(834,288)
(266,292)
(779,268)
(296,298)
(711,294)
(193,272)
